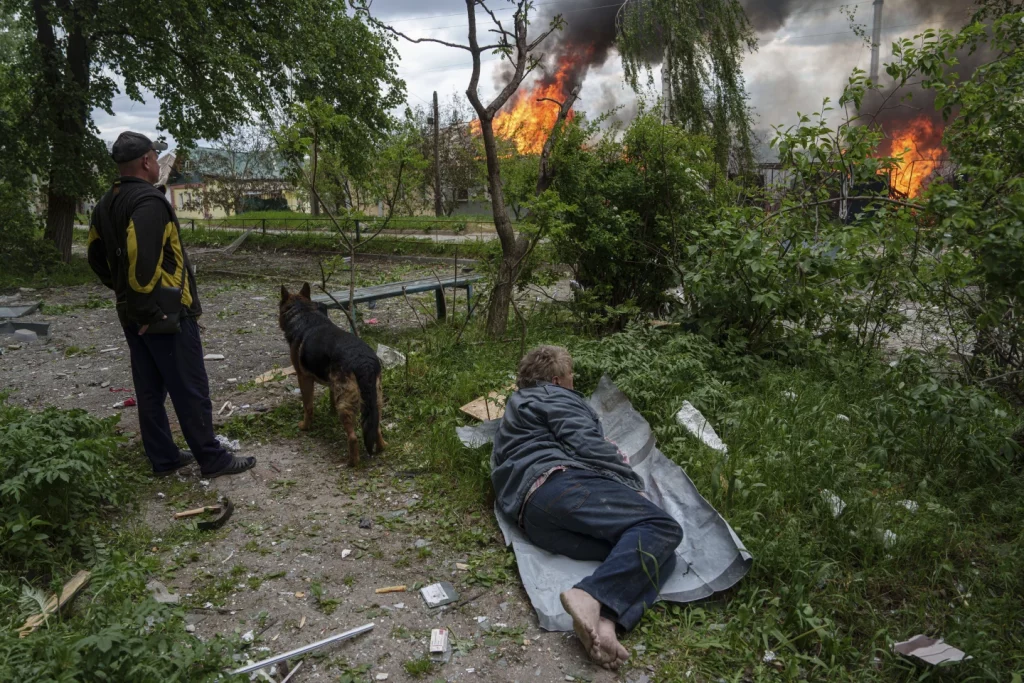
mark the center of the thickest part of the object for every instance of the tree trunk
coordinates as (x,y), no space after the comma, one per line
(60,220)
(501,296)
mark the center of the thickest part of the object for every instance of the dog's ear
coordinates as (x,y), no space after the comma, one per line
(284,294)
(305,291)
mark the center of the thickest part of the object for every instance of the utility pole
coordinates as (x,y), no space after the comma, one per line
(437,161)
(876,39)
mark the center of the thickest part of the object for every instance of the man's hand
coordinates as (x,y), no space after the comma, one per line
(142,330)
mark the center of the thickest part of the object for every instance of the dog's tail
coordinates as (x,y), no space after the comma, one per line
(368,379)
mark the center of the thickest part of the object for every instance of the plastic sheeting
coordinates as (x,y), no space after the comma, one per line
(710,558)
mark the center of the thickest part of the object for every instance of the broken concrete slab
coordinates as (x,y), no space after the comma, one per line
(161,594)
(19,310)
(25,336)
(12,326)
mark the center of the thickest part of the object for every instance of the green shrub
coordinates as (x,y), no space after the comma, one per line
(631,201)
(58,471)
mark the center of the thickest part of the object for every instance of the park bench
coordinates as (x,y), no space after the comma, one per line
(392,289)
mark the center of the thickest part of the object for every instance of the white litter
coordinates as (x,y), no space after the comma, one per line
(789,394)
(932,651)
(345,553)
(888,538)
(231,445)
(389,357)
(697,424)
(834,502)
(842,418)
(248,637)
(910,505)
(213,356)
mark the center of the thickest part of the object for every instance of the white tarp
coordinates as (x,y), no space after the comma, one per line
(710,558)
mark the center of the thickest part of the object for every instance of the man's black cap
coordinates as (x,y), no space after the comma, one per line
(130,146)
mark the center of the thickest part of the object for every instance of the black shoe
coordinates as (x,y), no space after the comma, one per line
(236,466)
(185,458)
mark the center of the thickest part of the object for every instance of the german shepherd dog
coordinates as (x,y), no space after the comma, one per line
(324,353)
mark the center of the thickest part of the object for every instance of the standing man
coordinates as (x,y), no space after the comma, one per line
(574,493)
(135,249)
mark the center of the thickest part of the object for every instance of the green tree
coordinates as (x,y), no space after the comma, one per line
(210,63)
(700,46)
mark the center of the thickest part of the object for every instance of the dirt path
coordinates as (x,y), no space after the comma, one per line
(277,569)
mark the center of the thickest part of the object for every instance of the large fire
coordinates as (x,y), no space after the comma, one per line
(532,115)
(918,145)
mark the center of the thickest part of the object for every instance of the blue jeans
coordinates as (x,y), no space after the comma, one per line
(589,517)
(172,364)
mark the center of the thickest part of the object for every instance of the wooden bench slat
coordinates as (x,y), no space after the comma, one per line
(392,289)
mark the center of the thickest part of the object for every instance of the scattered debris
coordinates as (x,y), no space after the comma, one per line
(127,403)
(190,628)
(110,350)
(292,672)
(248,637)
(227,406)
(303,650)
(888,538)
(345,553)
(381,677)
(19,311)
(697,424)
(391,589)
(910,505)
(104,385)
(269,375)
(365,523)
(55,604)
(462,566)
(932,651)
(11,326)
(421,543)
(489,407)
(440,646)
(438,594)
(768,657)
(25,336)
(115,390)
(230,249)
(372,321)
(300,594)
(160,593)
(834,502)
(224,512)
(230,444)
(214,356)
(302,621)
(389,357)
(842,418)
(789,394)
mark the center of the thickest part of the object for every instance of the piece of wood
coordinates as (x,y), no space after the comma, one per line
(72,588)
(391,589)
(230,249)
(197,511)
(271,374)
(489,407)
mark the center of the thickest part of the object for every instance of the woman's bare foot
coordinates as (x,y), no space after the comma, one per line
(610,644)
(586,617)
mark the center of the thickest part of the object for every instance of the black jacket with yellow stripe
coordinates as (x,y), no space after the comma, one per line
(135,247)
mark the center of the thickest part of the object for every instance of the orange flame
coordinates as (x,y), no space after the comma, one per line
(532,116)
(918,145)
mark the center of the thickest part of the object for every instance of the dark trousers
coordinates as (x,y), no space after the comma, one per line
(589,517)
(172,364)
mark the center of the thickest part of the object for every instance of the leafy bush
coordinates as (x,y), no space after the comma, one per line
(630,203)
(58,470)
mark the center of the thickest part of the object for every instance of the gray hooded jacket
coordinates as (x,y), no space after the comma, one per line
(549,426)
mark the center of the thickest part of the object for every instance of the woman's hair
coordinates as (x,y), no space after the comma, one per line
(542,364)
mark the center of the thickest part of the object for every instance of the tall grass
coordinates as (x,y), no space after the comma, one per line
(930,540)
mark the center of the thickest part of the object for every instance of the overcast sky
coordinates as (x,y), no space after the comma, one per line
(806,51)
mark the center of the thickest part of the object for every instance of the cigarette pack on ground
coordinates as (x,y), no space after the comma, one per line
(440,647)
(437,594)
